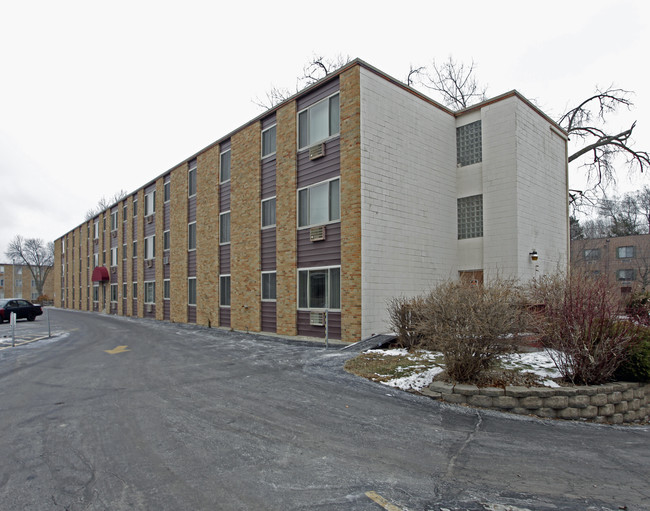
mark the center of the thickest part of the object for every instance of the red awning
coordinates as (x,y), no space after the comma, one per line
(100,274)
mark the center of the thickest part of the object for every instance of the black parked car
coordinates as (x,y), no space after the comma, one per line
(22,308)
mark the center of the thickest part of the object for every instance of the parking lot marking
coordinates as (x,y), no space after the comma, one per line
(117,349)
(382,501)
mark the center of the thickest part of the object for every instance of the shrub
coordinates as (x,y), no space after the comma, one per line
(638,307)
(637,365)
(405,316)
(580,327)
(472,325)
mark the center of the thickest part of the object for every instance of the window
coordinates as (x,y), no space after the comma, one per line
(224,290)
(268,285)
(592,254)
(268,141)
(150,203)
(225,167)
(135,248)
(124,251)
(166,289)
(191,236)
(319,288)
(114,256)
(167,191)
(135,207)
(318,122)
(95,230)
(468,144)
(95,292)
(135,290)
(150,247)
(166,244)
(95,260)
(124,212)
(114,220)
(470,217)
(113,292)
(625,275)
(224,228)
(625,252)
(191,291)
(268,212)
(319,204)
(191,179)
(149,292)
(124,289)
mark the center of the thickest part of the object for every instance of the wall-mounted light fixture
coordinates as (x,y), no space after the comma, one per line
(533,255)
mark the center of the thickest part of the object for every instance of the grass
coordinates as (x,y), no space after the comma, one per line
(376,366)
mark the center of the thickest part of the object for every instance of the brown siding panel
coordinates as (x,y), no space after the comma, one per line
(191,314)
(224,317)
(191,263)
(224,197)
(320,253)
(315,171)
(268,249)
(191,209)
(334,326)
(224,259)
(269,321)
(268,177)
(315,96)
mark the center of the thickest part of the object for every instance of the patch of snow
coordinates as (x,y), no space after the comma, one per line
(416,381)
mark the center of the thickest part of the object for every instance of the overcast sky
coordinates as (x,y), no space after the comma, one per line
(96,97)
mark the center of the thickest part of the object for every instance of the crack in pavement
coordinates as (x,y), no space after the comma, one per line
(470,437)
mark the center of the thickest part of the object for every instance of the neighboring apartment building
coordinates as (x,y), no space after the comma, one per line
(355,190)
(625,260)
(16,281)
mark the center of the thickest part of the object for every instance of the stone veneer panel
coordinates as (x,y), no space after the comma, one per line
(207,249)
(350,205)
(286,222)
(160,228)
(245,241)
(129,257)
(178,249)
(140,251)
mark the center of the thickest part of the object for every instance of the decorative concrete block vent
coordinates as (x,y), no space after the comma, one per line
(613,403)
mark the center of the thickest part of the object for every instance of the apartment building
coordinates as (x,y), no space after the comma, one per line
(625,260)
(16,281)
(310,217)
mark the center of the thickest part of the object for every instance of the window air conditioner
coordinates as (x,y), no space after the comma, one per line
(149,219)
(166,260)
(149,263)
(317,151)
(149,307)
(317,318)
(317,233)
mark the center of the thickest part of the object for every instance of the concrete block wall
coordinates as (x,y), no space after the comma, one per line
(245,240)
(129,257)
(616,403)
(159,230)
(408,196)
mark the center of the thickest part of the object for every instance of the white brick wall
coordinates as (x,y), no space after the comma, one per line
(408,197)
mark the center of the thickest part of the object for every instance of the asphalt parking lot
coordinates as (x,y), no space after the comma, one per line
(26,332)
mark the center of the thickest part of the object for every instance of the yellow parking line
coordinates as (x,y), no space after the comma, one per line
(24,342)
(382,501)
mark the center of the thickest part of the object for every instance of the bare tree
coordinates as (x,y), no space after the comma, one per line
(455,83)
(588,123)
(105,203)
(36,255)
(317,68)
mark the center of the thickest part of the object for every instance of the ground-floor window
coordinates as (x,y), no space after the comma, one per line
(268,286)
(113,292)
(166,291)
(149,292)
(96,293)
(319,288)
(224,290)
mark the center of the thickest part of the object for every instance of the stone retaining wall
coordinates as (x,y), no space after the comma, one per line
(614,403)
